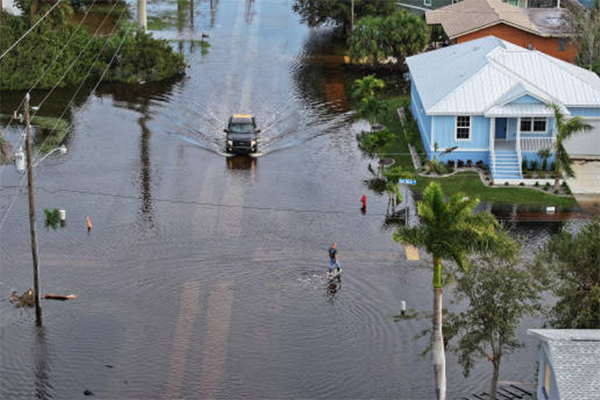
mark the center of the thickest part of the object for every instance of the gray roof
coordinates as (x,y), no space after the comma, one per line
(508,392)
(575,358)
(474,76)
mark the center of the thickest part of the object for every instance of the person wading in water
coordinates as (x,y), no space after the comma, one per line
(333,258)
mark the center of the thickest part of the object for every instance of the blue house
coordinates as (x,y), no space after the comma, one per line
(568,366)
(489,99)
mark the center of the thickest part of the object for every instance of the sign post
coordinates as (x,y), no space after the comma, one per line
(407,182)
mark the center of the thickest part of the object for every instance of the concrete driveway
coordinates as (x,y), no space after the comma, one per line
(587,177)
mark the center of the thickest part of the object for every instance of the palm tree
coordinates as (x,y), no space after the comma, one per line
(449,230)
(366,87)
(566,128)
(545,155)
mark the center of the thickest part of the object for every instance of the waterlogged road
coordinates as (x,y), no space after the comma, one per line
(203,275)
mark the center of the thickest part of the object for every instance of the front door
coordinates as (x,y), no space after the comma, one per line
(501,126)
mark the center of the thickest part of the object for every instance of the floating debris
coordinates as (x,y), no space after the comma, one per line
(27,299)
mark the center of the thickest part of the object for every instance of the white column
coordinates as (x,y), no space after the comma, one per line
(492,133)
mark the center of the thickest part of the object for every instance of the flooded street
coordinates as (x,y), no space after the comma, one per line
(204,275)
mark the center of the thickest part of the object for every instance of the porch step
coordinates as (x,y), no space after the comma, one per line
(506,165)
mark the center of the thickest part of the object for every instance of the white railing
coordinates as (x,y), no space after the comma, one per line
(537,144)
(519,158)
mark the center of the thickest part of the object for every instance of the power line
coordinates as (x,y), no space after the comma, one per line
(261,208)
(30,29)
(46,72)
(86,76)
(73,97)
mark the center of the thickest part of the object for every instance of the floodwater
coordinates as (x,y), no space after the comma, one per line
(204,275)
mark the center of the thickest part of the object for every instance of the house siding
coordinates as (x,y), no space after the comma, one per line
(423,120)
(527,99)
(585,112)
(543,361)
(445,133)
(414,5)
(548,45)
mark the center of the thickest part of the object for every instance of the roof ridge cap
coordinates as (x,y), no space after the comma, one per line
(499,66)
(594,85)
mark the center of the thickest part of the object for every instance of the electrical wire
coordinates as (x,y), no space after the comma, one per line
(46,72)
(55,190)
(30,29)
(91,93)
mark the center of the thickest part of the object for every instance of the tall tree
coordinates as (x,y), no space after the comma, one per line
(320,12)
(499,293)
(449,230)
(566,129)
(573,263)
(585,25)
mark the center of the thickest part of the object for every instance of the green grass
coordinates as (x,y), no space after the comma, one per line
(160,23)
(467,182)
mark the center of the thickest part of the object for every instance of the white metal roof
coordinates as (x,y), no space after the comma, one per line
(575,357)
(473,77)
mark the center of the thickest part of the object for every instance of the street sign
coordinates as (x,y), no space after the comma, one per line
(408,181)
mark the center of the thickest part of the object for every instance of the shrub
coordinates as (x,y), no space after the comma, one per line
(450,163)
(460,163)
(552,166)
(479,164)
(537,183)
(528,175)
(141,57)
(505,183)
(522,184)
(428,172)
(469,163)
(556,191)
(524,165)
(534,165)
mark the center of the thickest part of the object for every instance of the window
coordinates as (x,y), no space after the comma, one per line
(463,127)
(562,44)
(533,125)
(427,2)
(547,375)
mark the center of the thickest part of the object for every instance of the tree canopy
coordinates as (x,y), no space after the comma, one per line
(318,12)
(499,294)
(375,39)
(573,263)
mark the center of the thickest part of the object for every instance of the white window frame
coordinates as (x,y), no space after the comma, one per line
(533,131)
(427,2)
(456,138)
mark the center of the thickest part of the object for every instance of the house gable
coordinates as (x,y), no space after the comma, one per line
(526,99)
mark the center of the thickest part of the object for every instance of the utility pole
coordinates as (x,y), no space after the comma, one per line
(30,189)
(141,13)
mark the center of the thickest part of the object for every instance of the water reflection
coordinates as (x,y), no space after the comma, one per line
(41,357)
(241,163)
(333,288)
(249,12)
(145,177)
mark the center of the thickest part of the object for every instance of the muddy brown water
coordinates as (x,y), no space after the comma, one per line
(204,275)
